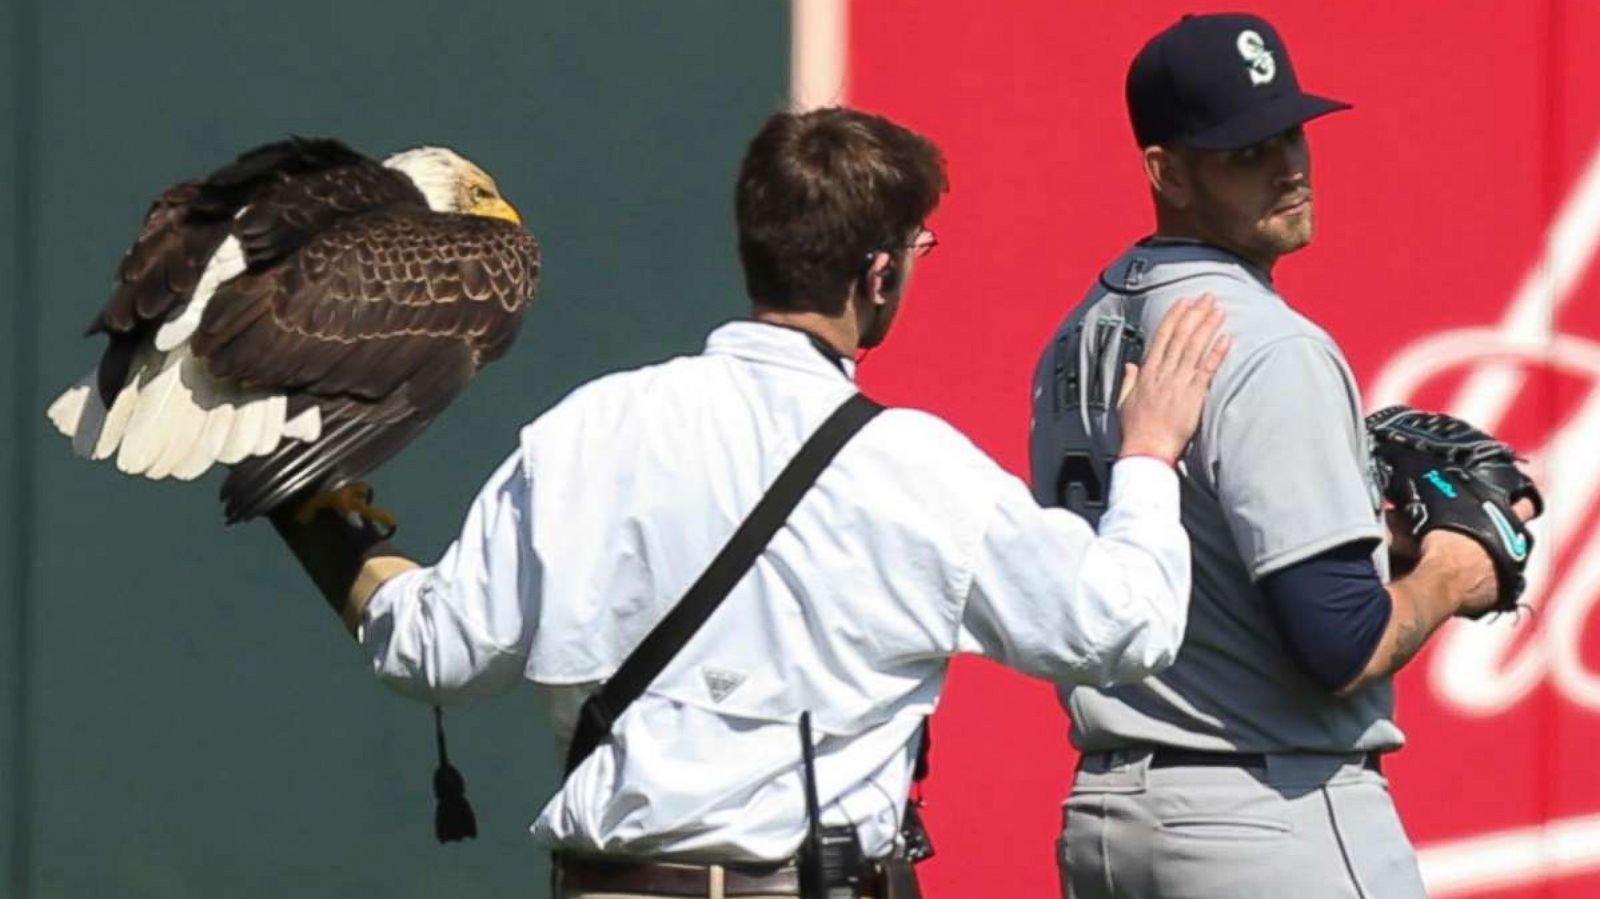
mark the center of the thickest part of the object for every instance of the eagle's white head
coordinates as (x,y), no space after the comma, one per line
(451,183)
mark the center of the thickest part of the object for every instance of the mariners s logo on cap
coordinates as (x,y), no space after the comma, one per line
(1257,57)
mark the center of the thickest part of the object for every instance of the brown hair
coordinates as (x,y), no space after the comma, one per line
(818,192)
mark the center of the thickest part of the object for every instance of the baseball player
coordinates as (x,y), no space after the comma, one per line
(909,546)
(1251,767)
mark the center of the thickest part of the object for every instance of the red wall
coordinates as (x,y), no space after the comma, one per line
(1435,269)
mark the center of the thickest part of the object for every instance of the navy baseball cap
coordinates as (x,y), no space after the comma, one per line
(1217,82)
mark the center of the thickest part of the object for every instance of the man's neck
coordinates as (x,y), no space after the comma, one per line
(838,332)
(1177,230)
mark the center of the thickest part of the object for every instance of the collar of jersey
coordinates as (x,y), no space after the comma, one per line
(771,344)
(1159,262)
(1187,250)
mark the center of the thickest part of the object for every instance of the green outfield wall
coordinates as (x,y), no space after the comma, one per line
(180,716)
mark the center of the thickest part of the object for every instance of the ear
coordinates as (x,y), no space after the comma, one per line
(1169,176)
(872,281)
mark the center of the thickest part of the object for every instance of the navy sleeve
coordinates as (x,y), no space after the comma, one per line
(1331,611)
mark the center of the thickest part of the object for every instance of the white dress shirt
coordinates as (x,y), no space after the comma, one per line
(911,547)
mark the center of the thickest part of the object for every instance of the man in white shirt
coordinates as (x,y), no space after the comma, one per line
(911,546)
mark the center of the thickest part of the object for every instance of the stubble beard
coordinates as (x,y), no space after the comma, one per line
(1282,235)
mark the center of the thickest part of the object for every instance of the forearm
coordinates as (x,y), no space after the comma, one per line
(1416,615)
(374,573)
(1151,573)
(1422,601)
(461,625)
(1052,598)
(436,635)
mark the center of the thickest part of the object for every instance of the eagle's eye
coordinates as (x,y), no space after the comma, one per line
(481,193)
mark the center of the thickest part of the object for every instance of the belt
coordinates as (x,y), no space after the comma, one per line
(618,875)
(1174,757)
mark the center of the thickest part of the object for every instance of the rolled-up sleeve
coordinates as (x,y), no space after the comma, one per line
(1052,598)
(463,627)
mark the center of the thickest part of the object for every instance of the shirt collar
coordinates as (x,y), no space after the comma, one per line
(779,345)
(1189,246)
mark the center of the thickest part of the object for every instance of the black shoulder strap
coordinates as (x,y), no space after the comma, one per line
(607,704)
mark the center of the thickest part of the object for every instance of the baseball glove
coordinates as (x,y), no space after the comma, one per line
(1441,472)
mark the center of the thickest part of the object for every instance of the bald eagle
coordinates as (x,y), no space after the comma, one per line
(299,315)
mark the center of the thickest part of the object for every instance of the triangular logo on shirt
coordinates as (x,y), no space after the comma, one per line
(720,682)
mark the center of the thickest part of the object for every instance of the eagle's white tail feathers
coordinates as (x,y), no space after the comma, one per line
(245,433)
(181,427)
(186,417)
(219,420)
(226,262)
(78,414)
(191,457)
(305,427)
(68,409)
(91,424)
(271,425)
(148,427)
(121,411)
(172,419)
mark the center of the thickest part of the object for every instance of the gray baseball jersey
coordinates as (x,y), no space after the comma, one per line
(1278,472)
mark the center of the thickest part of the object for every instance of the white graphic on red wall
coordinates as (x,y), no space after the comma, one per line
(1481,670)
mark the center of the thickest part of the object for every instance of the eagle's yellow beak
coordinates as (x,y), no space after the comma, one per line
(497,208)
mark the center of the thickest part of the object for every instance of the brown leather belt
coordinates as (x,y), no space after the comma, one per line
(616,875)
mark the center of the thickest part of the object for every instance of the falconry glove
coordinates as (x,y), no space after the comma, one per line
(333,535)
(332,544)
(1441,472)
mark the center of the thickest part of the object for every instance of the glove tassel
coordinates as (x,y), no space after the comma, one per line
(453,819)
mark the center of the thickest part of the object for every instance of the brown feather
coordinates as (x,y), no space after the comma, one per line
(295,210)
(160,271)
(383,318)
(189,220)
(355,299)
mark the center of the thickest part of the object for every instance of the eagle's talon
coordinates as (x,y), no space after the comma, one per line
(353,499)
(379,517)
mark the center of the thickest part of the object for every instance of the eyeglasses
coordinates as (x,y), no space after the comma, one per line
(920,246)
(924,243)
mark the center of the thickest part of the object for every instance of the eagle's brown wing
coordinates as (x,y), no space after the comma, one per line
(293,189)
(157,275)
(160,271)
(281,220)
(379,321)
